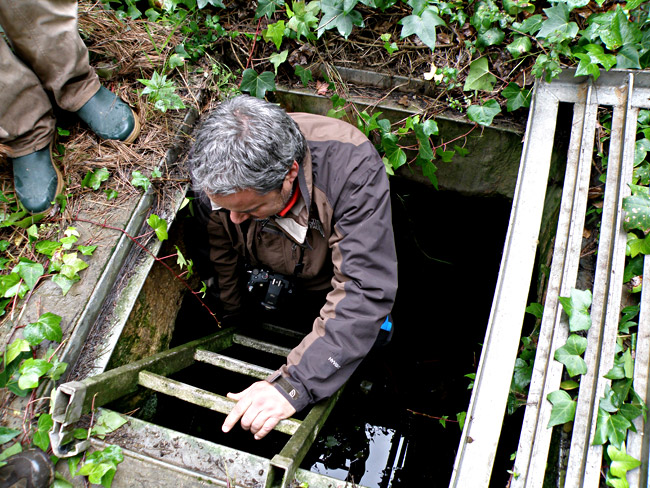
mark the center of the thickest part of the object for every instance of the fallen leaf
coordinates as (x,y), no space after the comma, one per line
(321,88)
(404,101)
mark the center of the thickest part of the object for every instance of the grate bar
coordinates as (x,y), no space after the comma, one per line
(261,345)
(535,438)
(202,398)
(476,452)
(232,364)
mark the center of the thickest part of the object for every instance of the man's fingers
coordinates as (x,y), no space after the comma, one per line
(268,426)
(236,413)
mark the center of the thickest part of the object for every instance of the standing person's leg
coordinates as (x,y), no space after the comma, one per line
(45,35)
(27,128)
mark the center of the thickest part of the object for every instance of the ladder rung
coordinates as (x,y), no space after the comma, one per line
(203,398)
(261,345)
(294,334)
(232,364)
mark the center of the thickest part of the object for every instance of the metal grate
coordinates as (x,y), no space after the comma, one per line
(625,93)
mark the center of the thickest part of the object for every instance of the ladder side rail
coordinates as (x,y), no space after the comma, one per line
(585,459)
(246,341)
(479,440)
(202,398)
(288,460)
(532,453)
(637,442)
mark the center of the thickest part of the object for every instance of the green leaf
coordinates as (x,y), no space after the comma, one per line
(536,309)
(522,375)
(29,271)
(564,408)
(100,466)
(335,16)
(557,23)
(47,327)
(87,250)
(267,7)
(277,59)
(11,450)
(577,309)
(31,371)
(159,226)
(304,74)
(110,194)
(519,46)
(479,77)
(303,18)
(139,180)
(275,33)
(621,461)
(612,428)
(529,26)
(47,247)
(14,349)
(637,212)
(460,418)
(570,355)
(94,179)
(41,437)
(72,265)
(64,283)
(424,26)
(490,37)
(106,423)
(594,56)
(429,170)
(483,114)
(628,58)
(6,434)
(517,97)
(395,154)
(257,85)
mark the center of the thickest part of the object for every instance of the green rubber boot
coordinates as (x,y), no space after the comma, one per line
(109,117)
(37,180)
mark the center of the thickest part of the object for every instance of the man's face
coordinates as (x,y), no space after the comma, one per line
(248,203)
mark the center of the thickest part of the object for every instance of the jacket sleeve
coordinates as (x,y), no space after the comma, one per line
(364,288)
(225,260)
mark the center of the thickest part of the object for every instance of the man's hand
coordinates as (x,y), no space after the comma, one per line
(260,407)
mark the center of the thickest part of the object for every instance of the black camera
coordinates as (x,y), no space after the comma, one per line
(276,286)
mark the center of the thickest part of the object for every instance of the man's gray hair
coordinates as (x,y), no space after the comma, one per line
(245,143)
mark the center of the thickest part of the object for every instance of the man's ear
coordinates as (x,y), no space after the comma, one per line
(293,173)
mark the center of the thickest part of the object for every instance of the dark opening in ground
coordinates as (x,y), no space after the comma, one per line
(385,430)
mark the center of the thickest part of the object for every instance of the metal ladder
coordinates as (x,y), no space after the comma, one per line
(626,93)
(74,399)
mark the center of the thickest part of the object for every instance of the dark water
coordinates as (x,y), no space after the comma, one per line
(385,430)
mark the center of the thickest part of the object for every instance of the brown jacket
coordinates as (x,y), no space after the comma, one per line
(343,221)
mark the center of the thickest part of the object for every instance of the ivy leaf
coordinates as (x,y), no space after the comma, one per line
(47,247)
(302,18)
(590,60)
(621,461)
(72,265)
(564,408)
(31,371)
(628,58)
(139,180)
(304,74)
(422,132)
(275,33)
(29,271)
(215,3)
(612,428)
(110,194)
(460,418)
(517,97)
(94,179)
(626,31)
(14,349)
(87,250)
(47,327)
(483,114)
(159,226)
(107,422)
(429,170)
(395,154)
(570,355)
(277,59)
(519,46)
(557,23)
(637,212)
(445,156)
(479,77)
(529,26)
(577,309)
(6,434)
(424,26)
(41,437)
(64,283)
(335,15)
(257,85)
(490,37)
(266,7)
(100,466)
(522,375)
